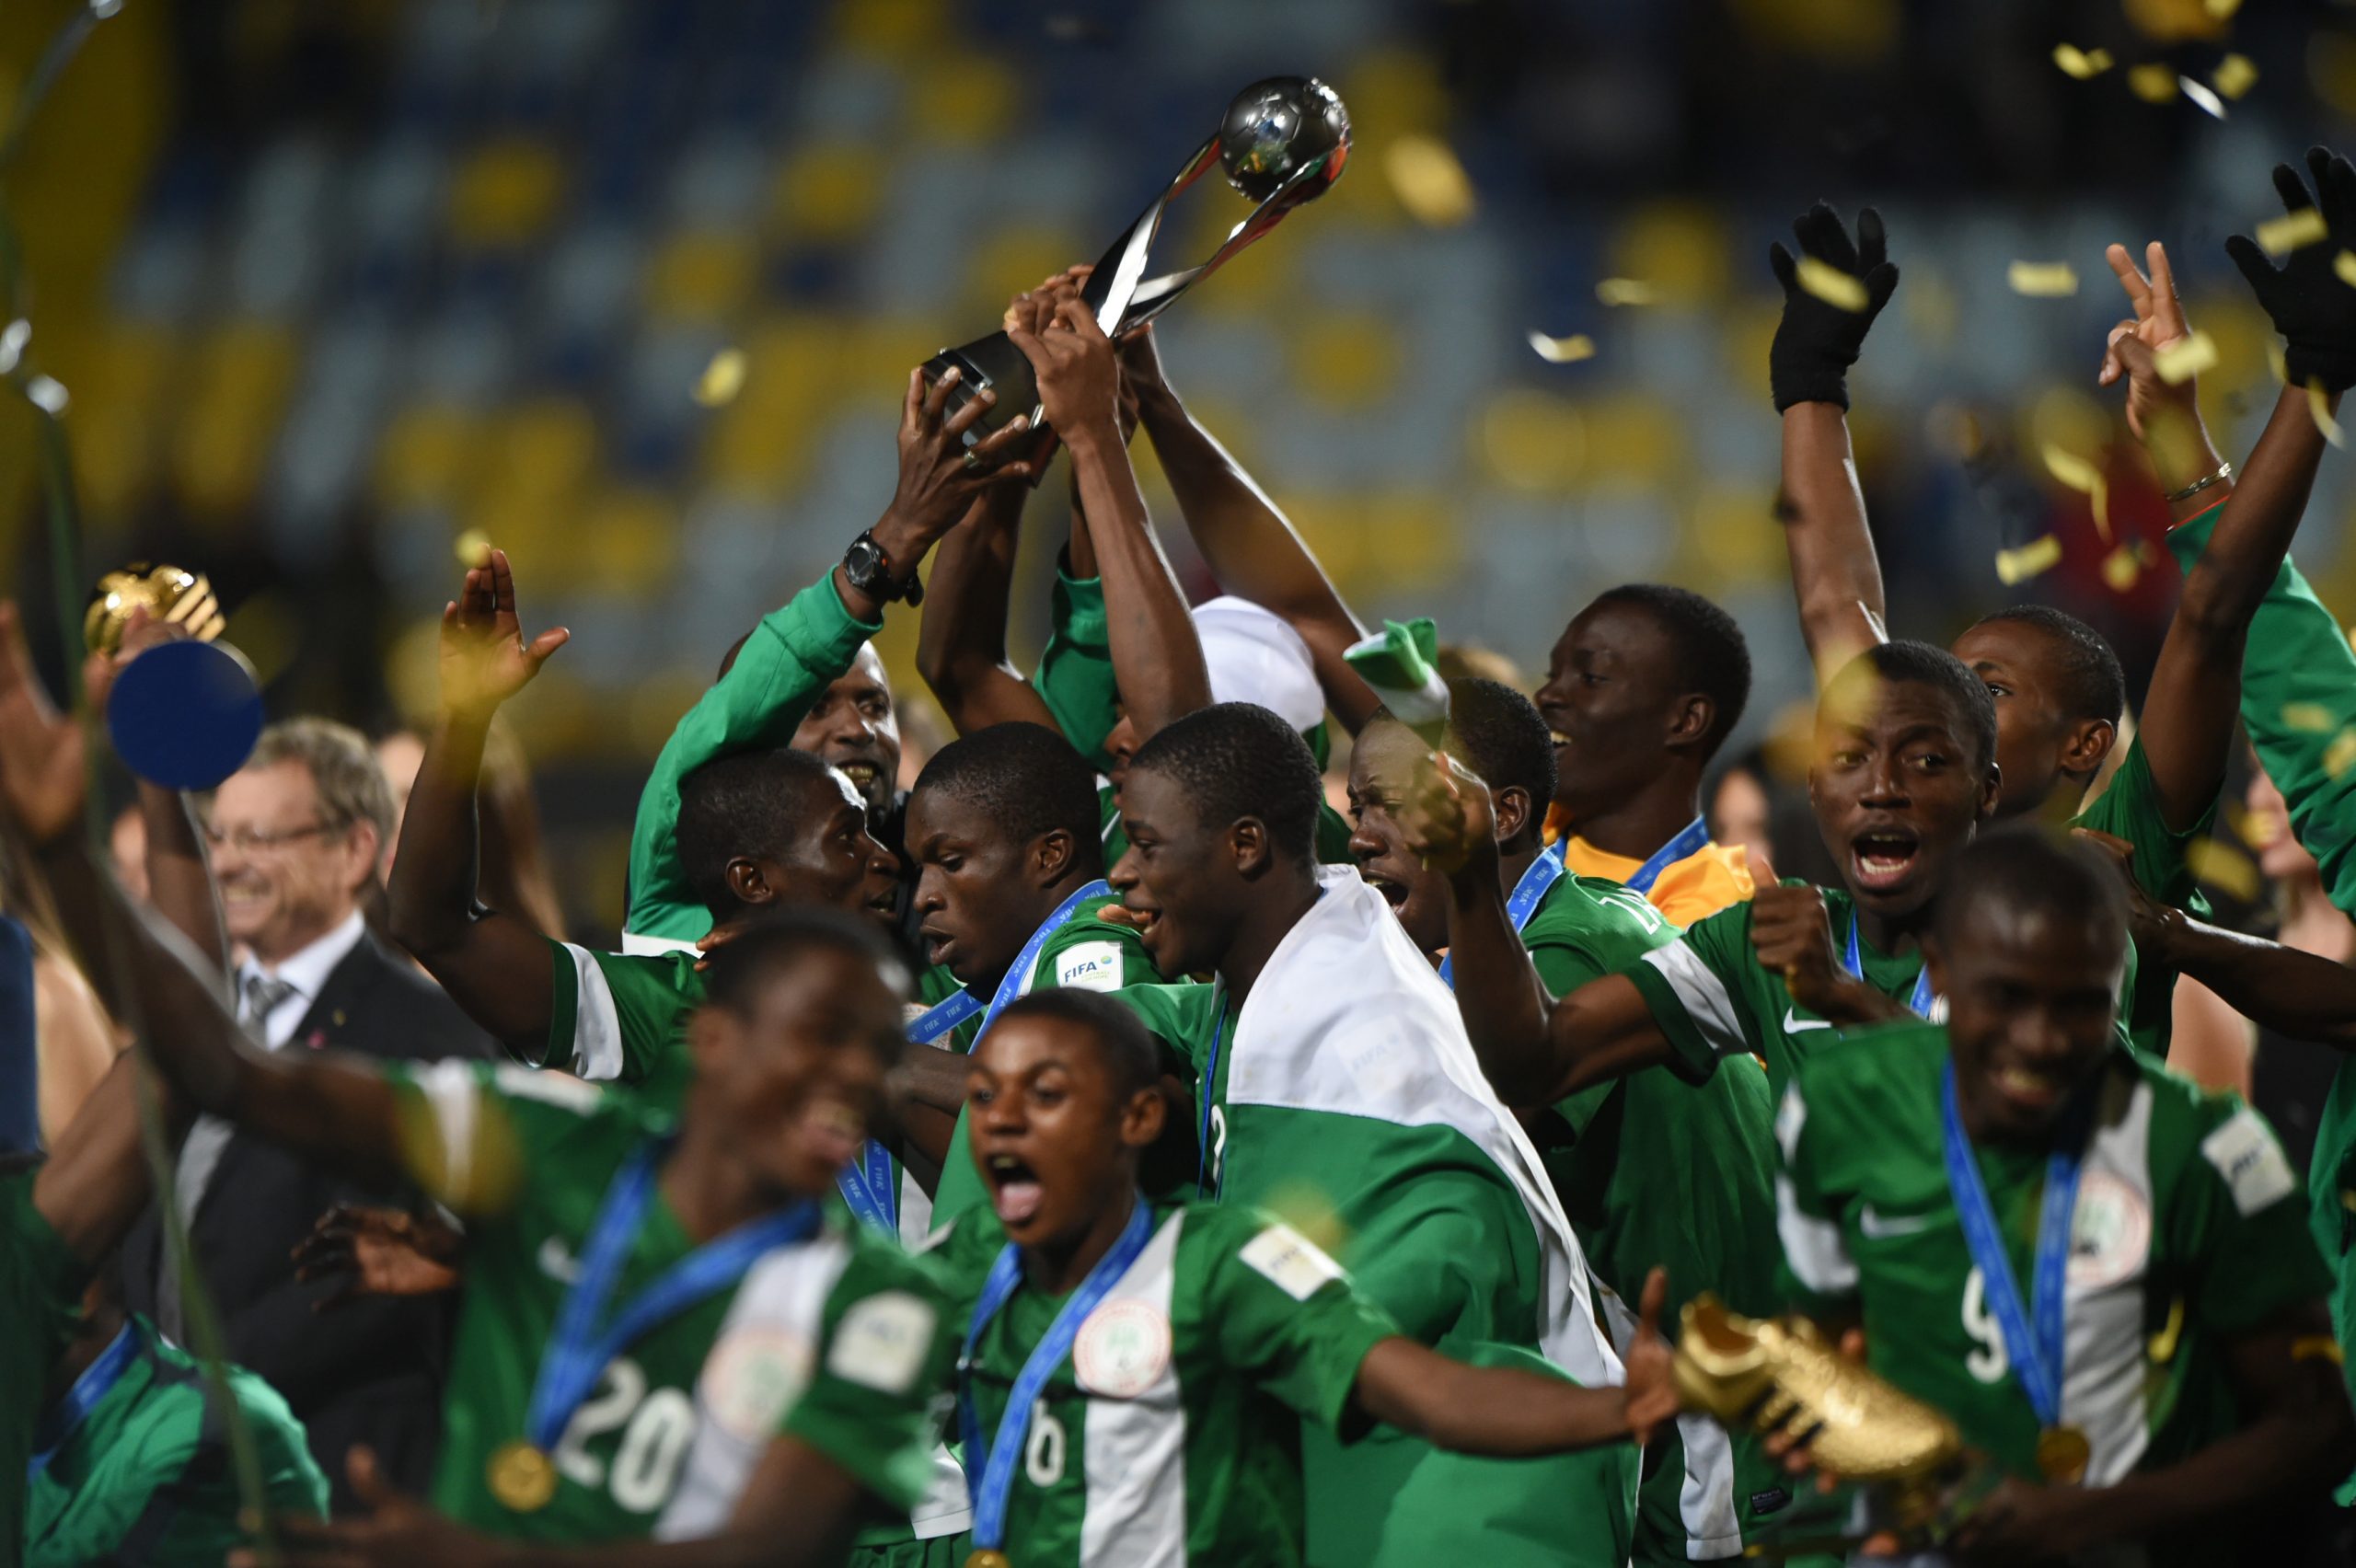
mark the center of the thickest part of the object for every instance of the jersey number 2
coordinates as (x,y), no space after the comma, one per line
(655,1428)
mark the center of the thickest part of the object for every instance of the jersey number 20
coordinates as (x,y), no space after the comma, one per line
(655,1428)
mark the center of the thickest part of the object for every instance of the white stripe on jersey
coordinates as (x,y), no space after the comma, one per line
(1702,994)
(2110,1249)
(1820,1257)
(1705,1499)
(1136,1447)
(636,945)
(596,1026)
(454,1094)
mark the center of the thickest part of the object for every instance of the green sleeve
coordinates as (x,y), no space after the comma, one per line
(1816,1273)
(1693,986)
(2298,668)
(473,1131)
(2130,808)
(1094,955)
(886,1351)
(2240,1224)
(617,1018)
(1433,1252)
(788,660)
(1286,1316)
(1075,675)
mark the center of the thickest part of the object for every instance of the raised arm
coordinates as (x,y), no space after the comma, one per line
(1247,543)
(2300,994)
(1835,575)
(1156,656)
(961,643)
(494,964)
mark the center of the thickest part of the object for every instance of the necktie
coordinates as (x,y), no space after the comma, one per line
(258,996)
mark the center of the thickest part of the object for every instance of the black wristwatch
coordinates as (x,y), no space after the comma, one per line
(870,571)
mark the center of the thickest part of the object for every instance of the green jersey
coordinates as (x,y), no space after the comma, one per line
(40,1301)
(2130,808)
(1653,1170)
(145,1475)
(622,1017)
(527,1156)
(2186,1206)
(1171,1434)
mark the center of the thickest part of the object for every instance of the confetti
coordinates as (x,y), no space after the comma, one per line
(1831,284)
(2201,94)
(2234,75)
(2339,756)
(2222,866)
(2313,717)
(2320,407)
(2276,363)
(722,379)
(473,548)
(2186,358)
(2153,84)
(1429,180)
(2042,279)
(2122,566)
(1563,351)
(50,396)
(2038,555)
(2345,265)
(2279,236)
(2220,9)
(2083,476)
(1626,290)
(2082,64)
(12,344)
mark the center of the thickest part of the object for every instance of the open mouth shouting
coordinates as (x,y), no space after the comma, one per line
(2031,1091)
(1881,859)
(832,1129)
(1394,892)
(1015,1190)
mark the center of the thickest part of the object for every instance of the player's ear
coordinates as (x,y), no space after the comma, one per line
(1142,1118)
(1248,841)
(2087,744)
(748,883)
(1512,808)
(1690,720)
(1051,855)
(1991,789)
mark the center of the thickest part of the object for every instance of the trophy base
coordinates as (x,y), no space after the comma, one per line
(996,364)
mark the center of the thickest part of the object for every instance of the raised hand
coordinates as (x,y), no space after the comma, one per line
(939,474)
(485,660)
(1446,819)
(1078,374)
(2158,324)
(1792,934)
(2314,310)
(141,632)
(377,1252)
(43,757)
(1651,1388)
(1818,339)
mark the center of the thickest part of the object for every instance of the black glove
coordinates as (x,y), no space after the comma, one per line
(1817,341)
(2314,310)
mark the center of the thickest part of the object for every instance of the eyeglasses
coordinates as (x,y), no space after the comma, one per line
(256,841)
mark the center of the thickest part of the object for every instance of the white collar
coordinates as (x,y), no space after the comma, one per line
(308,968)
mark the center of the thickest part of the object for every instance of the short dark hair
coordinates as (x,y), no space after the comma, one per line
(2028,866)
(1920,663)
(1027,778)
(736,970)
(2092,685)
(1121,1037)
(1499,734)
(1712,656)
(751,803)
(1237,760)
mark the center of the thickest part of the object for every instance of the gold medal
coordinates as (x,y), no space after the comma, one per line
(989,1558)
(522,1477)
(2062,1454)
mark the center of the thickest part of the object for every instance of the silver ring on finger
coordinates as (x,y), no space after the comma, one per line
(972,460)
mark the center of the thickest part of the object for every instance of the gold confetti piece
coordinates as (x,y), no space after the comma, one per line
(2276,363)
(2082,64)
(2222,866)
(2320,407)
(2340,755)
(2152,83)
(2234,75)
(2201,94)
(2345,265)
(2121,566)
(2279,236)
(2186,358)
(2042,279)
(1626,290)
(2040,555)
(47,395)
(1429,180)
(2220,9)
(473,548)
(722,379)
(2083,476)
(2311,717)
(1831,284)
(1563,351)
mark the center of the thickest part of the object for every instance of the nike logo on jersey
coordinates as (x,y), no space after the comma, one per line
(1794,1023)
(558,1263)
(1878,1228)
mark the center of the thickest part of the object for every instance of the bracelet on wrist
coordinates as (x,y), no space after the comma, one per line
(2223,471)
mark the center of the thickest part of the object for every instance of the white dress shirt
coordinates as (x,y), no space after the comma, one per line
(306,971)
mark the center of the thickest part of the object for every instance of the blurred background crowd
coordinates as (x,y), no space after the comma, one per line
(629,287)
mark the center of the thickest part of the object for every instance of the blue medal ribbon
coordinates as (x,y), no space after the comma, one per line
(996,1482)
(870,1187)
(579,1349)
(1528,893)
(2034,1335)
(96,1381)
(1919,1004)
(1691,839)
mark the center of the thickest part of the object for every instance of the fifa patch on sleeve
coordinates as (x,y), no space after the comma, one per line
(882,1342)
(1291,1261)
(2245,1155)
(1089,966)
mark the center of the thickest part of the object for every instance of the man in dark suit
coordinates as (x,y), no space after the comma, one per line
(295,837)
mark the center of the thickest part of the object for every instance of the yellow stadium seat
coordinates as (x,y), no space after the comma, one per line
(505,193)
(962,98)
(829,193)
(1531,441)
(1345,362)
(426,457)
(701,275)
(1682,249)
(238,393)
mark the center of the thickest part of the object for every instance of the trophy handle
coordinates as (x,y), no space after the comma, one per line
(1155,295)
